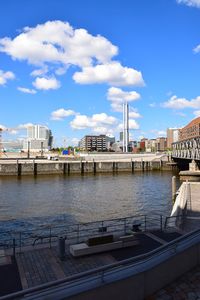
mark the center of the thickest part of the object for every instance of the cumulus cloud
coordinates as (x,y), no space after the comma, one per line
(57,42)
(112,73)
(61,113)
(132,125)
(134,114)
(194,3)
(43,83)
(181,103)
(26,90)
(96,122)
(56,45)
(40,72)
(82,122)
(117,96)
(5,76)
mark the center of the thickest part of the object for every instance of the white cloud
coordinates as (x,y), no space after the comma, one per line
(82,122)
(56,45)
(61,113)
(134,114)
(195,3)
(26,91)
(57,42)
(39,72)
(43,83)
(181,103)
(103,119)
(5,76)
(132,125)
(112,73)
(118,95)
(96,121)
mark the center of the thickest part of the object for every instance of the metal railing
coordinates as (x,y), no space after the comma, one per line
(102,274)
(76,233)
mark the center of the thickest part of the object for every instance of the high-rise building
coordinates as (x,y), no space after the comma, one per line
(172,136)
(93,143)
(38,132)
(39,138)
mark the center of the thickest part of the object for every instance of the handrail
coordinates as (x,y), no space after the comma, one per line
(77,230)
(189,237)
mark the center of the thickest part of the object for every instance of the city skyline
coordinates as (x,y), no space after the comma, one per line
(71,66)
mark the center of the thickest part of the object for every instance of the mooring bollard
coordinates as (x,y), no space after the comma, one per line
(173,188)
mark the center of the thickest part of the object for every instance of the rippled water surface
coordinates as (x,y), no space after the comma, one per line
(84,198)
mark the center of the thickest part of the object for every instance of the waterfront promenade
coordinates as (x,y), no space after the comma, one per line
(40,264)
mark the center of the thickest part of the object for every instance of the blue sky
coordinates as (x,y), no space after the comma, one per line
(71,64)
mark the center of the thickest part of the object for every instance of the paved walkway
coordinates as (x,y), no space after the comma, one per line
(44,265)
(187,287)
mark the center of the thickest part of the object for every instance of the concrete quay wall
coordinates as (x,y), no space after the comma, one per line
(33,167)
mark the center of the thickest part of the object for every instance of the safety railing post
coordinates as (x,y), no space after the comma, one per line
(50,236)
(125,226)
(145,223)
(78,233)
(14,247)
(20,242)
(161,223)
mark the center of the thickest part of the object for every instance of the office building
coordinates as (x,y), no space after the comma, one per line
(39,139)
(93,143)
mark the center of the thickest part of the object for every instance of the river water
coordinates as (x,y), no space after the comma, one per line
(32,201)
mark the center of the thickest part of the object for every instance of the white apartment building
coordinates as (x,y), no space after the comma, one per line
(39,139)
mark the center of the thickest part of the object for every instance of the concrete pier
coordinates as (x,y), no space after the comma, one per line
(40,167)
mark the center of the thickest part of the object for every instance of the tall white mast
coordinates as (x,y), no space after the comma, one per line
(125,126)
